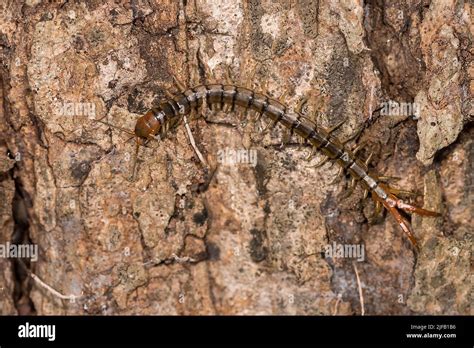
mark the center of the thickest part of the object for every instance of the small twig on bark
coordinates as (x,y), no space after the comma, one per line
(361,295)
(56,293)
(193,143)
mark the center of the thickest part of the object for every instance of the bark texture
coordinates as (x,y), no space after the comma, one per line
(184,239)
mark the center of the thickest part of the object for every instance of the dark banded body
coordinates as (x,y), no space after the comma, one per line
(158,121)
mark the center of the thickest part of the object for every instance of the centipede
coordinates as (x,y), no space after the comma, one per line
(157,122)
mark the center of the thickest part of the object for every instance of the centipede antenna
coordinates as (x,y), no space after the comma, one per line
(116,127)
(126,141)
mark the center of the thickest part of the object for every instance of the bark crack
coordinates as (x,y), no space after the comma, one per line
(21,235)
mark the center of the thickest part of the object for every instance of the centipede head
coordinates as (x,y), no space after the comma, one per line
(397,207)
(147,126)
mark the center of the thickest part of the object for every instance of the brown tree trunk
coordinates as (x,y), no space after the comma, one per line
(188,238)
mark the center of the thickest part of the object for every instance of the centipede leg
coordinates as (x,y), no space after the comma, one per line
(388,178)
(226,108)
(250,77)
(402,192)
(269,126)
(116,127)
(377,211)
(311,154)
(303,117)
(366,193)
(404,224)
(369,158)
(228,76)
(287,137)
(264,86)
(169,94)
(300,105)
(335,127)
(359,147)
(352,136)
(302,140)
(416,210)
(338,176)
(283,97)
(320,164)
(351,189)
(179,84)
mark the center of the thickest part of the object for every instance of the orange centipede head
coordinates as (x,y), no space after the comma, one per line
(147,126)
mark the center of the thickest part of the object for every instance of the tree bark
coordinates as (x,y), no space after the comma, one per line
(188,238)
